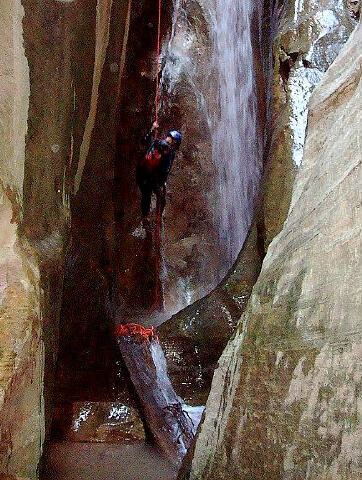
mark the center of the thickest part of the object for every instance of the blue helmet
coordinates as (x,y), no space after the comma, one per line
(176,135)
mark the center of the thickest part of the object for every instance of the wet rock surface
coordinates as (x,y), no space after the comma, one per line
(105,422)
(201,238)
(194,338)
(285,400)
(83,461)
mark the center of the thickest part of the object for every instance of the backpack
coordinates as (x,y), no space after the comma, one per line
(153,157)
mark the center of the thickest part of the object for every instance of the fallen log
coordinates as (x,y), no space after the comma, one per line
(171,422)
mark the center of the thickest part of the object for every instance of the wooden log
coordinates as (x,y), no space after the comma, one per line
(165,413)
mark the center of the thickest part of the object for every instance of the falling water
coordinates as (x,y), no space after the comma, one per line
(237,139)
(237,143)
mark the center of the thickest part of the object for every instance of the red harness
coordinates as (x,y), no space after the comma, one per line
(152,159)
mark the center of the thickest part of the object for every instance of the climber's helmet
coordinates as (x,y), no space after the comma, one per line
(174,138)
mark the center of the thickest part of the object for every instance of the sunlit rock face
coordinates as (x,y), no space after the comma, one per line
(285,401)
(34,151)
(310,37)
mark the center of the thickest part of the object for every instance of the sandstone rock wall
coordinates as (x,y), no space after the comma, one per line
(194,338)
(61,86)
(210,321)
(200,82)
(309,39)
(312,34)
(46,84)
(21,348)
(285,401)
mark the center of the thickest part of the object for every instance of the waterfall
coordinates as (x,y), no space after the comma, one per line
(237,143)
(232,115)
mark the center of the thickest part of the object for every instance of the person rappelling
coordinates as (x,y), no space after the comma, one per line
(153,169)
(151,175)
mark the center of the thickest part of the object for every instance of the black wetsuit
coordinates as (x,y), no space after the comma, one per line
(152,171)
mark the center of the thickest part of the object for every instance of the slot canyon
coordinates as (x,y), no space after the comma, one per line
(221,339)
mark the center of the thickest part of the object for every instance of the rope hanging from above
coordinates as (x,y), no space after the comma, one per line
(157,299)
(158,58)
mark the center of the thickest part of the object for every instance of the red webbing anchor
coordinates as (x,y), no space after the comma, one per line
(130,329)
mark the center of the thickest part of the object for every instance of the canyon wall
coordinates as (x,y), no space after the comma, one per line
(21,348)
(34,218)
(48,90)
(285,399)
(312,33)
(309,38)
(76,94)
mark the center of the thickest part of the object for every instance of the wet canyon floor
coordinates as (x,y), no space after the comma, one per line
(92,382)
(105,461)
(94,379)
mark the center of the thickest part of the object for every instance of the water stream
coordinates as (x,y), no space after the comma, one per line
(233,115)
(237,143)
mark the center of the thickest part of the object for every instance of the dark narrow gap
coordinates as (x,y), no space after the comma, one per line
(273,13)
(134,279)
(90,369)
(286,64)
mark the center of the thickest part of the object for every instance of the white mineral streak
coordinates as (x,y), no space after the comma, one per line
(324,22)
(102,37)
(301,84)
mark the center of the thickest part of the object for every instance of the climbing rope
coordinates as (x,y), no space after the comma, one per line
(158,252)
(158,59)
(157,300)
(131,329)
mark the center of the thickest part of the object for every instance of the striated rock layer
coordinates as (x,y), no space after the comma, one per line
(21,348)
(309,38)
(285,401)
(47,103)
